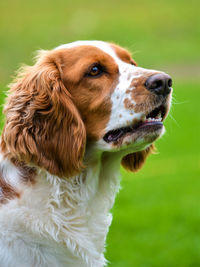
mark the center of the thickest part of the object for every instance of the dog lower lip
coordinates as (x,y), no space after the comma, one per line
(150,123)
(114,135)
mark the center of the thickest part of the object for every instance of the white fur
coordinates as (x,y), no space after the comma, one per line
(59,222)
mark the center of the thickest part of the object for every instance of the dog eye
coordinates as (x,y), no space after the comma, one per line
(95,70)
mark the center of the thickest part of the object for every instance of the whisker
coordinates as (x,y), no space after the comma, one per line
(174,120)
(179,103)
(174,101)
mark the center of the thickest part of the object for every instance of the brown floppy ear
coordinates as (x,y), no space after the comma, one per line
(43,126)
(134,161)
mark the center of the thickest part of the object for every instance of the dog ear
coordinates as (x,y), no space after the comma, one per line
(134,161)
(43,126)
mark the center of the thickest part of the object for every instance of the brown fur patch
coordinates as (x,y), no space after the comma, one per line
(128,104)
(134,161)
(144,99)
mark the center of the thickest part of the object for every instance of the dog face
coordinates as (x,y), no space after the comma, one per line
(80,93)
(122,105)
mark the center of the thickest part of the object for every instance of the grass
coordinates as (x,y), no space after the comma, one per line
(157,214)
(159,32)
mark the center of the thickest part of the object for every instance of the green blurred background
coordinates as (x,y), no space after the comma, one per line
(157,213)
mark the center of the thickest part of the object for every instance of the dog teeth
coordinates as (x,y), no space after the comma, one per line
(157,118)
(153,119)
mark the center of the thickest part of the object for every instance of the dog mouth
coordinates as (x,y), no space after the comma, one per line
(151,122)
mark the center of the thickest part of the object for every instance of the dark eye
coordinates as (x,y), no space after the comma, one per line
(95,71)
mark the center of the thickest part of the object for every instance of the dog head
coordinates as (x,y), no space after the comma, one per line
(86,92)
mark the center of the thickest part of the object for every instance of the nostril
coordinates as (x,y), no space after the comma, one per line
(169,83)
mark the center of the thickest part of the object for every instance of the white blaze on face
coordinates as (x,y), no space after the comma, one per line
(120,115)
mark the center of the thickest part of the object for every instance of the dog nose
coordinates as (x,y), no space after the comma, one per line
(160,84)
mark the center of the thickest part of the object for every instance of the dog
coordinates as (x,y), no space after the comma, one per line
(72,119)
